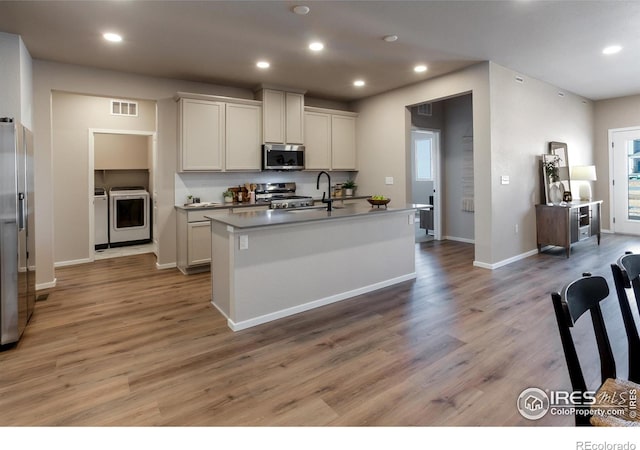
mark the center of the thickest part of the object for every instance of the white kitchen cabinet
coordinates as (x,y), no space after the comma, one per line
(201,135)
(330,139)
(283,116)
(199,243)
(219,133)
(193,240)
(343,142)
(317,149)
(243,137)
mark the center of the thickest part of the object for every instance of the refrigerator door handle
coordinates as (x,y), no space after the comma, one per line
(21,211)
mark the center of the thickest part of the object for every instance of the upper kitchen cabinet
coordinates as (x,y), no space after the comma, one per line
(330,137)
(283,116)
(201,135)
(219,133)
(243,137)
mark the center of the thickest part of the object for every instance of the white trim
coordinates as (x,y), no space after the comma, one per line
(504,262)
(229,321)
(47,285)
(607,231)
(237,326)
(459,239)
(165,266)
(72,262)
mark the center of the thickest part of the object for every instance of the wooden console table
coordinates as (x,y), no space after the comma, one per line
(564,225)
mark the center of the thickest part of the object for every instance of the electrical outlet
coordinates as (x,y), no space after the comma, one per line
(244,242)
(411,218)
(516,228)
(388,180)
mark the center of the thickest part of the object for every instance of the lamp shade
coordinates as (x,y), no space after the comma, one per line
(583,173)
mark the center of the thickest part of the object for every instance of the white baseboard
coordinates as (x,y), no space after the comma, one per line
(72,262)
(165,266)
(237,326)
(47,285)
(504,262)
(459,239)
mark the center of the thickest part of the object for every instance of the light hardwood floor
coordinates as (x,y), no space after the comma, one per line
(120,343)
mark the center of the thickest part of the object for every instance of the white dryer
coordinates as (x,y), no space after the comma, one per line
(130,212)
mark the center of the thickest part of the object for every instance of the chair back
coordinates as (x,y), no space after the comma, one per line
(626,274)
(576,298)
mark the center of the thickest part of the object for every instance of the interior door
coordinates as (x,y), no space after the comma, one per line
(626,181)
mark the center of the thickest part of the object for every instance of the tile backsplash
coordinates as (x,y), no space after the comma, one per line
(210,186)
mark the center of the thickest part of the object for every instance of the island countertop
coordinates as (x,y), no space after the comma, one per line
(272,217)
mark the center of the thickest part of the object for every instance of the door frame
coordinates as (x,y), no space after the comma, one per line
(91,169)
(612,205)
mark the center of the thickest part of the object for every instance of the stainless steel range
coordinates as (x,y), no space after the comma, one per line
(281,196)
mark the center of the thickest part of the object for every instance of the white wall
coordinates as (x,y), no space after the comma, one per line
(525,117)
(384,147)
(610,114)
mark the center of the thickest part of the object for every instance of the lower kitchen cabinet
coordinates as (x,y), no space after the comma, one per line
(193,240)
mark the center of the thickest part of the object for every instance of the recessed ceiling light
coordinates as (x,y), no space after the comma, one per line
(612,49)
(390,38)
(316,46)
(112,37)
(263,64)
(358,83)
(420,68)
(301,10)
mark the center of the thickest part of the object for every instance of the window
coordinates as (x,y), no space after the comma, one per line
(423,147)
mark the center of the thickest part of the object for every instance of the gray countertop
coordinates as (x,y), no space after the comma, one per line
(258,219)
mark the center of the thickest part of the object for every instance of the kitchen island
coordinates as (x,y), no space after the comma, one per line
(271,264)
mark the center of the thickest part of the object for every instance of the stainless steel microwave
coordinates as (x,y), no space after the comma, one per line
(282,157)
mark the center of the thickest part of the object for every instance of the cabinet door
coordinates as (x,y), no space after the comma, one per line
(202,135)
(273,108)
(243,137)
(317,130)
(198,243)
(294,110)
(343,142)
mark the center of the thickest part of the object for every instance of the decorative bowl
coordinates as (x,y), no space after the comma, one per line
(378,202)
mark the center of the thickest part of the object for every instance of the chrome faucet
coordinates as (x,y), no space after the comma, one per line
(328,201)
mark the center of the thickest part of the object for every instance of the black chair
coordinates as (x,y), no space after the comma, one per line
(578,297)
(626,275)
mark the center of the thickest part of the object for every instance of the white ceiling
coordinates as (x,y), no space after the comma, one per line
(219,42)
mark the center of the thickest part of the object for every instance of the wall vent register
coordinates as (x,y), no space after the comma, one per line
(124,108)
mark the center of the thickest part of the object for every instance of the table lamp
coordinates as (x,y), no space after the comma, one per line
(584,174)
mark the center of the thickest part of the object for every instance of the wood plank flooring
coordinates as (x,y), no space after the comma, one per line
(119,343)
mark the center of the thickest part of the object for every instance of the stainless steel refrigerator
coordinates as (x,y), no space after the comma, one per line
(17,234)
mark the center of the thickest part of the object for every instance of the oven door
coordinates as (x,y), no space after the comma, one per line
(283,157)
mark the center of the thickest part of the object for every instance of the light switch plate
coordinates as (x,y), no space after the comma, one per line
(388,180)
(412,218)
(504,179)
(244,242)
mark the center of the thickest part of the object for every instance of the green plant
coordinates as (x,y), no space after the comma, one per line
(227,194)
(349,184)
(551,168)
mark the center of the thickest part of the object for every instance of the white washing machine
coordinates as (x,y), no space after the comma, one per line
(101,218)
(129,216)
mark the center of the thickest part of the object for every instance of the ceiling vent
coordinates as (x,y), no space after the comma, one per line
(124,108)
(424,109)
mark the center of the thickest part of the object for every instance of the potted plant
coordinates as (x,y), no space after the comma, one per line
(349,187)
(228,196)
